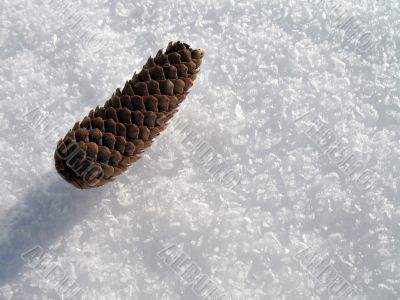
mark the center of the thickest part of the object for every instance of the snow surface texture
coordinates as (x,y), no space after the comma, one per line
(295,227)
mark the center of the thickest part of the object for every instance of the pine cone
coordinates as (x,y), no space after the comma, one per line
(111,137)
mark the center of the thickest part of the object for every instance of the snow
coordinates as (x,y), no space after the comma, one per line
(297,224)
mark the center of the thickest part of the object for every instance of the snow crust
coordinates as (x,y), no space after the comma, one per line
(292,97)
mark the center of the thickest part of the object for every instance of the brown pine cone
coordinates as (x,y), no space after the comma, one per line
(111,137)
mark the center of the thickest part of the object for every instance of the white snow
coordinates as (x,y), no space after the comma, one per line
(267,63)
